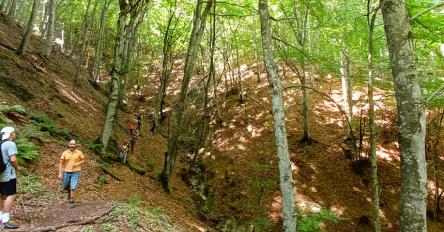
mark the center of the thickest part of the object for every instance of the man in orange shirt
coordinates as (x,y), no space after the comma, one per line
(69,169)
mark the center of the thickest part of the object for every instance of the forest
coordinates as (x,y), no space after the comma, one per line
(280,115)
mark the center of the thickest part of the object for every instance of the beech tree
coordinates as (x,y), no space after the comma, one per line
(285,173)
(411,116)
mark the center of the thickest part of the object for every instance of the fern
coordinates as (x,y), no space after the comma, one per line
(42,120)
(27,151)
(12,109)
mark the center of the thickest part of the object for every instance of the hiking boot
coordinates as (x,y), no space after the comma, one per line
(8,225)
(70,205)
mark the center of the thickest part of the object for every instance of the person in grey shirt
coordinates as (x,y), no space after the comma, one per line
(8,184)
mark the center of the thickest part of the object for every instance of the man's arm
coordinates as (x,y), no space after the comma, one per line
(60,168)
(14,162)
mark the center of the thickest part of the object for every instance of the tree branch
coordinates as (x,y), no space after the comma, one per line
(426,10)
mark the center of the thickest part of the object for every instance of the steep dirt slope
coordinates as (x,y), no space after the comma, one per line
(47,86)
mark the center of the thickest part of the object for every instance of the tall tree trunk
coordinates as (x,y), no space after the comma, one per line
(256,53)
(411,114)
(47,48)
(300,36)
(44,19)
(12,8)
(100,42)
(286,179)
(118,71)
(166,70)
(199,20)
(371,112)
(82,37)
(28,32)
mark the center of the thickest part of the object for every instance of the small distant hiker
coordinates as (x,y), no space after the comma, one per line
(133,143)
(132,128)
(8,182)
(123,151)
(69,170)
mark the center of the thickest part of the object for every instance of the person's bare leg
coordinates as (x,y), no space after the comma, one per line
(7,207)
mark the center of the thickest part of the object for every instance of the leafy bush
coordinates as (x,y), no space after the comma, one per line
(313,221)
(12,109)
(46,124)
(27,151)
(29,184)
(261,224)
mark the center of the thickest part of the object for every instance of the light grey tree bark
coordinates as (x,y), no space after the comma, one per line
(44,19)
(371,112)
(411,115)
(49,38)
(199,20)
(100,42)
(285,172)
(28,32)
(78,47)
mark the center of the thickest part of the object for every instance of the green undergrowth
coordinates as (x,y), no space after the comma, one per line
(132,216)
(312,221)
(42,121)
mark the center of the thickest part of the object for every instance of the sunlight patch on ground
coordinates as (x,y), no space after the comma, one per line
(387,154)
(197,227)
(72,96)
(432,186)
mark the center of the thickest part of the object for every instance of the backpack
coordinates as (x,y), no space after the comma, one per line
(2,162)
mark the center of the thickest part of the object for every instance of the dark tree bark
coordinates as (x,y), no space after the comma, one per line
(100,42)
(166,70)
(199,20)
(28,32)
(128,13)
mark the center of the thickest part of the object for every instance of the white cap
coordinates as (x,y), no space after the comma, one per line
(6,132)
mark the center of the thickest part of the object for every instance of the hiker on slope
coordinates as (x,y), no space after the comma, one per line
(69,169)
(8,183)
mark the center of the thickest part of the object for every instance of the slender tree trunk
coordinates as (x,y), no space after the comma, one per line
(50,28)
(239,74)
(28,32)
(286,179)
(12,8)
(43,23)
(256,53)
(82,37)
(161,93)
(100,42)
(118,71)
(373,157)
(412,120)
(199,20)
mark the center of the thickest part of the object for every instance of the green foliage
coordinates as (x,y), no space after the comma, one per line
(27,151)
(312,221)
(134,200)
(151,163)
(108,227)
(12,109)
(261,223)
(88,229)
(46,124)
(102,181)
(29,184)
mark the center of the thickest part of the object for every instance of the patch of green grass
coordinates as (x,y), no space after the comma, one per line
(312,221)
(261,223)
(134,200)
(102,181)
(108,227)
(88,229)
(29,184)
